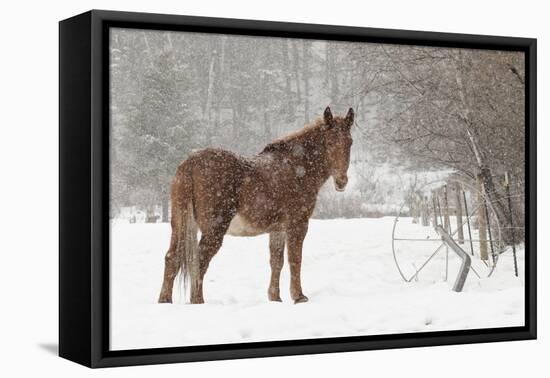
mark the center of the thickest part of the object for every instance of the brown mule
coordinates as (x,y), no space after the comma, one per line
(275,192)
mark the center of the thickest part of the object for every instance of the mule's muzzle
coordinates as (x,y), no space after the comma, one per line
(340,183)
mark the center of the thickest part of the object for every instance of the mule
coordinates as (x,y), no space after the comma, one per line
(274,192)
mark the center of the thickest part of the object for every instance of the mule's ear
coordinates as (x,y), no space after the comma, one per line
(350,117)
(327,116)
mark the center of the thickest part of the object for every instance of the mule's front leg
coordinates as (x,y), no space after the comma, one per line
(276,260)
(295,240)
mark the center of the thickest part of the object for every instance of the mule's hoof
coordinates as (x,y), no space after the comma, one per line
(273,295)
(165,300)
(301,299)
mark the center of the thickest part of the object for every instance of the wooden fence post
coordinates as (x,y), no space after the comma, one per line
(434,205)
(512,231)
(415,209)
(458,201)
(425,212)
(446,217)
(447,227)
(468,222)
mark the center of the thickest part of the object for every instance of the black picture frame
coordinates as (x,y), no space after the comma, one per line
(84,189)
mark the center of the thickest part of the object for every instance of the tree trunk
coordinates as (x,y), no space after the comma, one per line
(446,217)
(425,212)
(208,102)
(482,223)
(496,202)
(219,84)
(150,216)
(483,169)
(235,122)
(165,207)
(265,106)
(305,46)
(434,208)
(415,210)
(288,82)
(327,65)
(296,56)
(147,48)
(458,202)
(333,76)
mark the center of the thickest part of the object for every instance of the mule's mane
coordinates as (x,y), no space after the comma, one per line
(298,136)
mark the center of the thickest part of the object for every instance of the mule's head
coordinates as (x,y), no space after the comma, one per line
(338,144)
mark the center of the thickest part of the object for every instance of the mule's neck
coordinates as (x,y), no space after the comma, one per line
(306,151)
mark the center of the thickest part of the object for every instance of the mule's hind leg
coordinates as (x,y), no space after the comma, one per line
(208,246)
(171,267)
(276,260)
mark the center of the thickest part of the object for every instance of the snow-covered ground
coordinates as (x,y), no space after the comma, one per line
(348,274)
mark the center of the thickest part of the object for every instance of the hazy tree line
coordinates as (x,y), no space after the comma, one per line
(454,108)
(419,110)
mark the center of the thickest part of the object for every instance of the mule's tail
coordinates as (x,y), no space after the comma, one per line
(187,250)
(182,259)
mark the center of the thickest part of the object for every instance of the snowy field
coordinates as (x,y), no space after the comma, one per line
(348,274)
